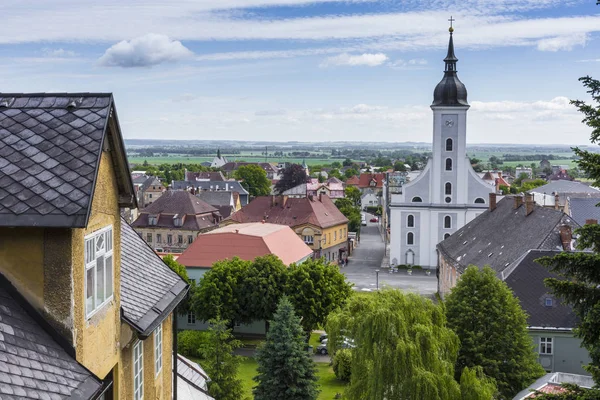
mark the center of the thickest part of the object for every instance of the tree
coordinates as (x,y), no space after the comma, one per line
(254,179)
(580,281)
(492,328)
(285,369)
(403,348)
(399,166)
(316,288)
(351,212)
(527,186)
(218,153)
(350,172)
(336,164)
(474,385)
(221,364)
(353,194)
(218,292)
(347,162)
(291,176)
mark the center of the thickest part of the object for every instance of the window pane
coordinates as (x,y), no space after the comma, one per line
(99,242)
(89,290)
(99,280)
(109,277)
(109,240)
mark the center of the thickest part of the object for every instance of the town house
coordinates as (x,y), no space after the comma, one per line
(86,307)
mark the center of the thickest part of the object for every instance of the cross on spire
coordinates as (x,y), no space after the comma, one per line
(451,21)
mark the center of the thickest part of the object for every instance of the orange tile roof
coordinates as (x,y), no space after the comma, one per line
(353,181)
(246,241)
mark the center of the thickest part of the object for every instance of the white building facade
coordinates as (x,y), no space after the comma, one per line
(448,193)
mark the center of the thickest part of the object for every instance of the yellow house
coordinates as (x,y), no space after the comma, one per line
(315,219)
(86,307)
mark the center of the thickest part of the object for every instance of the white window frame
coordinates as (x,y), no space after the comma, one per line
(91,263)
(408,234)
(191,318)
(138,370)
(158,349)
(545,343)
(451,164)
(451,144)
(445,217)
(308,239)
(451,188)
(408,225)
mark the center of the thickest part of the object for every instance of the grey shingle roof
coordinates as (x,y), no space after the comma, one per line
(584,208)
(526,280)
(216,199)
(149,289)
(33,364)
(562,186)
(50,147)
(500,237)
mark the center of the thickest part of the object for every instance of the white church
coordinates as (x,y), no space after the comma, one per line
(448,193)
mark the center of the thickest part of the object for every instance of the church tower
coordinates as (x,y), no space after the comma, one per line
(450,108)
(448,193)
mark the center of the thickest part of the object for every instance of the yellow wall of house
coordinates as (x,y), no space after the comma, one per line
(22,261)
(334,236)
(97,337)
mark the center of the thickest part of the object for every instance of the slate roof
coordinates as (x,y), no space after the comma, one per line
(50,148)
(526,280)
(562,186)
(500,237)
(299,190)
(33,364)
(150,291)
(215,199)
(582,209)
(320,211)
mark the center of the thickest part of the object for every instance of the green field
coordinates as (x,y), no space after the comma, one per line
(198,160)
(329,384)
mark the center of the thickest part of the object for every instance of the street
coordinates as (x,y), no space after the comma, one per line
(367,258)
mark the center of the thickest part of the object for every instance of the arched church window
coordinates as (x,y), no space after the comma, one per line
(446,236)
(449,144)
(479,200)
(410,221)
(417,199)
(448,164)
(447,222)
(410,238)
(448,188)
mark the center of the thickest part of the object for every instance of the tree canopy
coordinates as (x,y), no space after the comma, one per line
(246,291)
(285,369)
(351,212)
(492,328)
(403,349)
(254,179)
(291,176)
(580,286)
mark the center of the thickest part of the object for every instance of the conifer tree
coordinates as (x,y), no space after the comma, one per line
(221,364)
(492,328)
(285,369)
(581,289)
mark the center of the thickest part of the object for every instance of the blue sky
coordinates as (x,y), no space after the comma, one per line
(361,70)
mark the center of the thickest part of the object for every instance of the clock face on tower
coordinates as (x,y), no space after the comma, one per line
(449,123)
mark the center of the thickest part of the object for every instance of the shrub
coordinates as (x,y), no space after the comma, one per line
(190,343)
(342,363)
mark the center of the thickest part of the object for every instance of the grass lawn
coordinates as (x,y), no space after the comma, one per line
(329,384)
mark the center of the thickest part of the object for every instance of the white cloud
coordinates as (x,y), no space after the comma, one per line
(269,113)
(345,59)
(567,42)
(58,52)
(144,51)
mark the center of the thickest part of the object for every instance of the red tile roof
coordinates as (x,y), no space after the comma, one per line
(320,211)
(246,241)
(353,181)
(365,180)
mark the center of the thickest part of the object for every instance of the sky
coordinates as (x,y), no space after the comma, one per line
(310,70)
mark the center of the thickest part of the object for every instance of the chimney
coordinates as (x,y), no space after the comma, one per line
(565,237)
(284,201)
(556,201)
(321,197)
(529,204)
(273,200)
(492,201)
(238,231)
(499,174)
(518,201)
(591,221)
(227,187)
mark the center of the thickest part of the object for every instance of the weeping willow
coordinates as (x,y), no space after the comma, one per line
(403,348)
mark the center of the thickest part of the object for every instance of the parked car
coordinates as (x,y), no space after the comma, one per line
(322,337)
(346,344)
(374,219)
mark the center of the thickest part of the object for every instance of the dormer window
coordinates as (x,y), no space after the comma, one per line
(152,220)
(98,257)
(548,302)
(178,220)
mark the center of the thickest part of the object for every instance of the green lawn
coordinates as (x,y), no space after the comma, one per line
(329,384)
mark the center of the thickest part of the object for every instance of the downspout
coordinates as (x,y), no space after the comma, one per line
(175,357)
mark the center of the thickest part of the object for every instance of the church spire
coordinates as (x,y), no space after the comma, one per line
(450,91)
